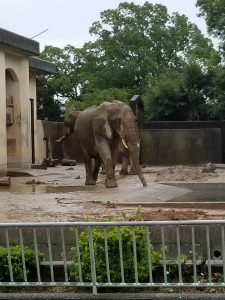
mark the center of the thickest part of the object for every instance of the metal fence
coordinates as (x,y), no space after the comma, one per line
(113,254)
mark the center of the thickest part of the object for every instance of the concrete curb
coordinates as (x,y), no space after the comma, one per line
(112,296)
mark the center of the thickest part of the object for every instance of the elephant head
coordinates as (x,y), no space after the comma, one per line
(69,123)
(115,121)
(70,120)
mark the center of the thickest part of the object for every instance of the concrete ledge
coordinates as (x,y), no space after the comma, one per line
(113,296)
(11,39)
(41,65)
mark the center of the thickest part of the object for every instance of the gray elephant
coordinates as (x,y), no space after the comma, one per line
(100,130)
(69,123)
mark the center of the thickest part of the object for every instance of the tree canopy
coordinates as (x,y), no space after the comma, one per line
(142,50)
(213,12)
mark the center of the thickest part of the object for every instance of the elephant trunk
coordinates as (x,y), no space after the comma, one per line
(131,140)
(134,157)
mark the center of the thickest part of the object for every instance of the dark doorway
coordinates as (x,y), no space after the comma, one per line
(32,131)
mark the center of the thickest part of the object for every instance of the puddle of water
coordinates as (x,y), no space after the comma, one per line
(201,192)
(37,189)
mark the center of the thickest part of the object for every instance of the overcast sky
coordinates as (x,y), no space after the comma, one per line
(68,21)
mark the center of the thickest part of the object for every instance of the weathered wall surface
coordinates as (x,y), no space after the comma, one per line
(47,133)
(3,135)
(158,146)
(181,146)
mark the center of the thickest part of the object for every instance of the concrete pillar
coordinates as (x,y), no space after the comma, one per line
(25,142)
(3,137)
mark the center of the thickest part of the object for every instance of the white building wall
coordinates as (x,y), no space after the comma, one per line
(19,132)
(3,138)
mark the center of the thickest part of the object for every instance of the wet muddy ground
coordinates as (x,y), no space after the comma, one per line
(59,194)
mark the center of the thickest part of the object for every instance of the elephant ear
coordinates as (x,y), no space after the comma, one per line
(101,127)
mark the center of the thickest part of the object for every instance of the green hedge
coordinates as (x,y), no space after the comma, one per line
(114,257)
(17,264)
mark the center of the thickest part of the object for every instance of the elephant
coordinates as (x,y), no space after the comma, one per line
(69,123)
(100,130)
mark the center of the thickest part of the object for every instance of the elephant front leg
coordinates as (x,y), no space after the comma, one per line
(110,181)
(106,156)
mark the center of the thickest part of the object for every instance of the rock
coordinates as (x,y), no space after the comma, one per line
(5,181)
(51,162)
(210,167)
(41,166)
(34,181)
(68,162)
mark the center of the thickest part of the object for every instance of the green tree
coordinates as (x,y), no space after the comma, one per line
(181,95)
(138,50)
(48,107)
(67,82)
(213,12)
(135,43)
(96,97)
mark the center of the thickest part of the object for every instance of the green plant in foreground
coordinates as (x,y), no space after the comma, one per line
(126,233)
(17,264)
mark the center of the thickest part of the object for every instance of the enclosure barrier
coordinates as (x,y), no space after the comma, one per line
(113,254)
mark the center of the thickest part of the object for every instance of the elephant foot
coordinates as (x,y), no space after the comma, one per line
(90,182)
(111,183)
(123,172)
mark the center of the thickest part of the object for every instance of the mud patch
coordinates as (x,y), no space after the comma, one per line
(160,215)
(43,189)
(184,173)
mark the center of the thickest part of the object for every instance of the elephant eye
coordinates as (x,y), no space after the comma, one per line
(116,123)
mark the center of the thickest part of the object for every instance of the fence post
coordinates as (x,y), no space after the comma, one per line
(92,260)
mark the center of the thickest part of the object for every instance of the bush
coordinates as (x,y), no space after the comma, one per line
(17,264)
(114,257)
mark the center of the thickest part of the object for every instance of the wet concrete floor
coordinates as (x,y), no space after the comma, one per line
(43,189)
(59,194)
(172,192)
(200,192)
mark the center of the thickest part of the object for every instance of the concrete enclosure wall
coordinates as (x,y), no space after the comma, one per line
(158,146)
(181,146)
(47,133)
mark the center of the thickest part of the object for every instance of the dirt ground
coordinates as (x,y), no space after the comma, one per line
(59,194)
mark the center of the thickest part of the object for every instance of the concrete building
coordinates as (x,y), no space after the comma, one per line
(19,66)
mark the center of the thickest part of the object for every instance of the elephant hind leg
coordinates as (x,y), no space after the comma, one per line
(125,164)
(88,166)
(96,168)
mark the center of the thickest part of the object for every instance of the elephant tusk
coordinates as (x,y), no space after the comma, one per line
(124,143)
(138,145)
